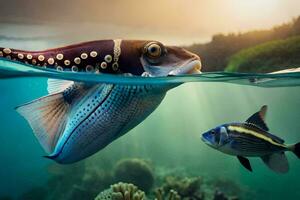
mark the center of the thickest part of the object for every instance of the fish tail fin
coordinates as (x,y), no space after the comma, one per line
(295,149)
(47,116)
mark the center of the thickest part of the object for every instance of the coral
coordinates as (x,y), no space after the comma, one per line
(172,195)
(85,180)
(122,191)
(186,187)
(135,171)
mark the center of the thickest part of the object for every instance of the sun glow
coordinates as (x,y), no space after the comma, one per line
(256,8)
(254,14)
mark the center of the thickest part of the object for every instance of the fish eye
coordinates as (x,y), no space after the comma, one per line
(153,50)
(213,131)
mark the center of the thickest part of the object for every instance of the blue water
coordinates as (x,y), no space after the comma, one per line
(170,137)
(11,69)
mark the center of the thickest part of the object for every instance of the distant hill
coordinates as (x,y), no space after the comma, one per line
(215,54)
(267,57)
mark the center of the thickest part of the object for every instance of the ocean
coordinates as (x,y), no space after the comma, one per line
(164,151)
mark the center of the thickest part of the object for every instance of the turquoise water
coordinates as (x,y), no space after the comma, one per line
(169,138)
(11,69)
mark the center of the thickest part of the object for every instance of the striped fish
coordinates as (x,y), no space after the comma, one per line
(251,139)
(78,119)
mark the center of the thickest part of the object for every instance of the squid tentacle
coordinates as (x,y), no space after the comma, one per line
(95,56)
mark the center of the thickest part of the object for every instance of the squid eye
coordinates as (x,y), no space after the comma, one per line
(153,50)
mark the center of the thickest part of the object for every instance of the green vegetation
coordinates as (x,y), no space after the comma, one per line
(267,57)
(215,54)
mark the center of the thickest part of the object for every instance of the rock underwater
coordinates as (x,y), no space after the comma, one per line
(136,171)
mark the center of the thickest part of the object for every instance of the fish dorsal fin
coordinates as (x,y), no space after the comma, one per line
(277,162)
(258,118)
(56,85)
(245,162)
(47,117)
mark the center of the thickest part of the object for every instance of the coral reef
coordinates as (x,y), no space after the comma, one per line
(127,191)
(85,180)
(172,195)
(122,191)
(136,171)
(186,187)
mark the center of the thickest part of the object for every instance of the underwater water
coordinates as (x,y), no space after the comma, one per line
(165,150)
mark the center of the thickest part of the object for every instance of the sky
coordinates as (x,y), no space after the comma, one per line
(173,21)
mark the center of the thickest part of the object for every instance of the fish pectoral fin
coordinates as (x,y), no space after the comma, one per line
(47,117)
(245,162)
(277,162)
